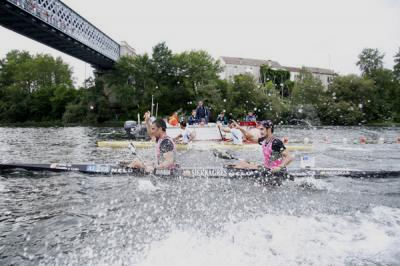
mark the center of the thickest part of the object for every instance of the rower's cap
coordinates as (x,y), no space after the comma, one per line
(267,124)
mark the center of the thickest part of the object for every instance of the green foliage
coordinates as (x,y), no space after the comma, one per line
(396,67)
(355,92)
(176,81)
(307,89)
(280,78)
(34,88)
(340,113)
(40,88)
(369,61)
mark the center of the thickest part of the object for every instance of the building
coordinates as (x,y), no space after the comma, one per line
(236,65)
(325,75)
(126,49)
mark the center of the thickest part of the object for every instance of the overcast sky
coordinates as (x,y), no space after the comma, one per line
(318,33)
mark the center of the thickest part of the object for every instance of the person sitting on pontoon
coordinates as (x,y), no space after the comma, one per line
(237,135)
(192,119)
(251,117)
(186,134)
(276,156)
(165,147)
(222,118)
(173,120)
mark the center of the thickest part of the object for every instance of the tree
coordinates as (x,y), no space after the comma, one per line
(28,84)
(280,78)
(307,88)
(359,94)
(396,67)
(369,61)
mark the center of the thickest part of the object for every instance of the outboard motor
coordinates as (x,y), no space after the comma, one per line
(129,127)
(135,131)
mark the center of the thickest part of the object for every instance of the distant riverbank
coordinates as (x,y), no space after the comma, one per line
(121,124)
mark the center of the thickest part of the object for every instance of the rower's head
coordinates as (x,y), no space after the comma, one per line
(266,128)
(182,124)
(158,127)
(231,123)
(200,103)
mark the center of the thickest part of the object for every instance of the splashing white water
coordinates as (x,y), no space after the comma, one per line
(362,239)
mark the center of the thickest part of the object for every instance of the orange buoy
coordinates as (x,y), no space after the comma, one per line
(363,140)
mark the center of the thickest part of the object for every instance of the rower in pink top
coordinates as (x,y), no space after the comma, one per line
(276,156)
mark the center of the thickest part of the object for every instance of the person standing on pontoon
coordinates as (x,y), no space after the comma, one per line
(202,113)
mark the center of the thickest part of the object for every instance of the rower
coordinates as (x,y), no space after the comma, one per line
(276,156)
(186,135)
(251,135)
(165,147)
(237,136)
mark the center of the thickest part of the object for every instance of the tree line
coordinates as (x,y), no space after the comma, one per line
(40,88)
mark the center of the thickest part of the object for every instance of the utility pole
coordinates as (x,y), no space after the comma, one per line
(152,104)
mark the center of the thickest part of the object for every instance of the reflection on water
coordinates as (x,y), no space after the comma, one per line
(75,219)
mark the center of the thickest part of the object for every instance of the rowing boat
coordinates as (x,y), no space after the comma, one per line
(210,172)
(198,145)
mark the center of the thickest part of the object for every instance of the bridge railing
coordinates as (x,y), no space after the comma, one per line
(60,16)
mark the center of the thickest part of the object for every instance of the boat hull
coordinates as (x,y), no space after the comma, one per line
(198,145)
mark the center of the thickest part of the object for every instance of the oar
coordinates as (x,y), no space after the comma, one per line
(220,133)
(132,148)
(224,155)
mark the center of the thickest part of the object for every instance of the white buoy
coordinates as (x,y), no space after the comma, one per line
(306,140)
(344,140)
(381,140)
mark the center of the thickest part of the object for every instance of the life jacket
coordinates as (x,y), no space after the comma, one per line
(269,161)
(173,121)
(158,150)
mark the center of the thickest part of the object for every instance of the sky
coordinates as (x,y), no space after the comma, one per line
(316,33)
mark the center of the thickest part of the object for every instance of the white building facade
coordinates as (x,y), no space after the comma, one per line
(235,66)
(324,75)
(126,49)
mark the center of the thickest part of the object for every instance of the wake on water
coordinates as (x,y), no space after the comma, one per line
(363,239)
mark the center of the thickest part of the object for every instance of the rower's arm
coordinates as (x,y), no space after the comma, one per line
(168,160)
(178,137)
(246,134)
(287,158)
(224,129)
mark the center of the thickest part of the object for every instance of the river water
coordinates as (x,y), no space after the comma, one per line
(76,219)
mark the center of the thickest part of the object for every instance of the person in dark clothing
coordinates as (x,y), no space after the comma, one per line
(222,118)
(202,113)
(192,119)
(251,117)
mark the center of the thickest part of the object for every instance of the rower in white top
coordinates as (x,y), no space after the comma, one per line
(237,135)
(186,135)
